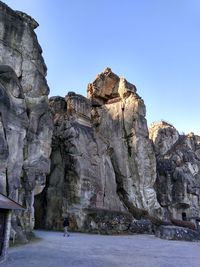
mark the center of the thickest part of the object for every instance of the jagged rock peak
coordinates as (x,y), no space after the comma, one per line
(23,16)
(28,19)
(161,123)
(107,70)
(164,135)
(108,85)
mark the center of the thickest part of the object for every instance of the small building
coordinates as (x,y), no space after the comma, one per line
(6,205)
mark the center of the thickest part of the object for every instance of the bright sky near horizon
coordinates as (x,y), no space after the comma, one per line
(154,44)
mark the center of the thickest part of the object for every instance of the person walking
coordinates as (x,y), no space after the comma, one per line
(65,226)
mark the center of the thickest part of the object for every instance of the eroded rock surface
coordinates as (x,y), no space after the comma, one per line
(121,121)
(178,168)
(105,172)
(102,158)
(177,233)
(25,120)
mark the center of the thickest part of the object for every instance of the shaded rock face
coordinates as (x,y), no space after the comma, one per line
(102,158)
(178,171)
(25,119)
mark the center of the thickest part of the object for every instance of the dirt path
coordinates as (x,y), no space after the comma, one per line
(86,250)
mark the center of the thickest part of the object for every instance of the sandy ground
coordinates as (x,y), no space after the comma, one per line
(55,250)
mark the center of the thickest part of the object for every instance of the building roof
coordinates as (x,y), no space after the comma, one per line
(9,204)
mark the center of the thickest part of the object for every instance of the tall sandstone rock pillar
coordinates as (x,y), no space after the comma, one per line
(102,159)
(118,115)
(25,120)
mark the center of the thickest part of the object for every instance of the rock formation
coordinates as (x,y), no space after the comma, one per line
(178,171)
(25,119)
(106,174)
(102,158)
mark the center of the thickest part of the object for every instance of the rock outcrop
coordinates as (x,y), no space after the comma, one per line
(177,233)
(178,171)
(108,173)
(118,114)
(25,119)
(102,158)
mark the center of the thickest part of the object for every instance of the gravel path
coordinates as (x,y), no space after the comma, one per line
(85,250)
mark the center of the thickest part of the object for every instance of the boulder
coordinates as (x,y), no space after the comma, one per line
(177,233)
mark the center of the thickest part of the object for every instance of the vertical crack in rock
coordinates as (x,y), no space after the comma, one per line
(126,136)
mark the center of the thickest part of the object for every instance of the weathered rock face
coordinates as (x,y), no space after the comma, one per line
(82,174)
(178,171)
(25,120)
(164,136)
(102,158)
(121,121)
(105,171)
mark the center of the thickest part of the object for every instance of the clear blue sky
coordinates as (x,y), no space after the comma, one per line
(154,44)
